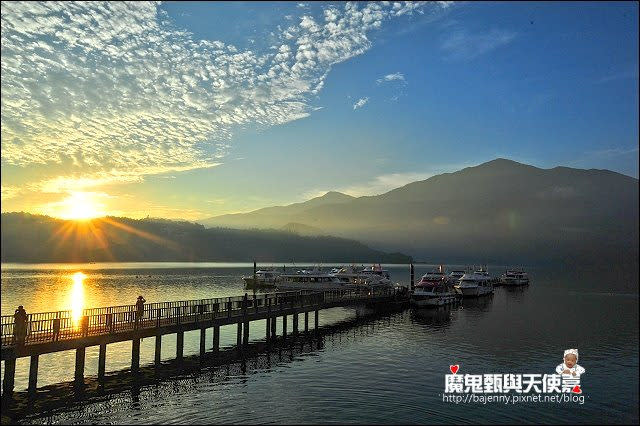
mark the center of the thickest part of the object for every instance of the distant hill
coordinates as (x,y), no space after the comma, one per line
(500,211)
(300,229)
(276,217)
(36,238)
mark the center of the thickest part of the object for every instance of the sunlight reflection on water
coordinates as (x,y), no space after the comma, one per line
(77,296)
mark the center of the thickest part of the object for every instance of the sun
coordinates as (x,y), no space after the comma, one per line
(80,206)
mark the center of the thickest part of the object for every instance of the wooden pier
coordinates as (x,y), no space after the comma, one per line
(58,331)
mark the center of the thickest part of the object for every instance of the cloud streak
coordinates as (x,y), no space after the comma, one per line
(361,102)
(386,182)
(397,76)
(463,45)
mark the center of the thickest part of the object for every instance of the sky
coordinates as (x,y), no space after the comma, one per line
(189,110)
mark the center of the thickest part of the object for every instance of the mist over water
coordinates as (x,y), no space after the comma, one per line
(389,369)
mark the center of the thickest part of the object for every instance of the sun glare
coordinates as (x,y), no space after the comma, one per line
(80,206)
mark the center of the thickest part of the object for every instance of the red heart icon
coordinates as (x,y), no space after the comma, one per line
(454,368)
(576,389)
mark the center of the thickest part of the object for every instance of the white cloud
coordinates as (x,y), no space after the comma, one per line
(361,102)
(115,92)
(397,76)
(9,191)
(386,182)
(460,44)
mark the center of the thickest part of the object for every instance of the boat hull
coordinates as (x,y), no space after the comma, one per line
(249,282)
(432,301)
(515,282)
(285,285)
(468,291)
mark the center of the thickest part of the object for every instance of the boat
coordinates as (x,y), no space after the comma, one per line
(311,279)
(454,276)
(263,278)
(433,289)
(374,276)
(513,277)
(482,270)
(474,284)
(433,277)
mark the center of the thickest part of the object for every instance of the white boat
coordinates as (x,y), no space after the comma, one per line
(375,275)
(263,277)
(372,277)
(454,276)
(513,277)
(433,289)
(313,279)
(474,285)
(433,277)
(482,270)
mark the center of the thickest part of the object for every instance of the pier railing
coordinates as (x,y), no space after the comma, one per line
(63,325)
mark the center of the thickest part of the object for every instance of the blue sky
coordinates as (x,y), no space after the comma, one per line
(139,118)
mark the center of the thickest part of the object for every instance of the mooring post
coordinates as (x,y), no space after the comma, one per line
(245,334)
(102,361)
(273,327)
(33,373)
(79,372)
(284,326)
(216,339)
(295,323)
(267,329)
(203,333)
(411,272)
(316,319)
(306,321)
(239,337)
(135,355)
(180,345)
(158,352)
(9,376)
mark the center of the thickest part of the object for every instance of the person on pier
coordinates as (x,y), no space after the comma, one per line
(139,308)
(20,325)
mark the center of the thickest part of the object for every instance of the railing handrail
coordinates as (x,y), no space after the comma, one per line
(59,325)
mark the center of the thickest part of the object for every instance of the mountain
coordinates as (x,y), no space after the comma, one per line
(501,211)
(275,217)
(300,229)
(36,238)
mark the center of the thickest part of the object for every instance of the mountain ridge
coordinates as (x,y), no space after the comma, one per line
(501,210)
(42,239)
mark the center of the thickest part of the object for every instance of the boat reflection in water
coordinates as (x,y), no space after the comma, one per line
(436,316)
(478,303)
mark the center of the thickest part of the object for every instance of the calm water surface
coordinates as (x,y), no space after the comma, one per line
(389,370)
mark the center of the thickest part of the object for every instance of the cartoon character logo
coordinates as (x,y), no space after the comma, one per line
(570,365)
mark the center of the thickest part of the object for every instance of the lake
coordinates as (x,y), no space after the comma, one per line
(388,369)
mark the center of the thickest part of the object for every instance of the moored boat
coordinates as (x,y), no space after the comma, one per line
(311,279)
(433,289)
(474,285)
(454,276)
(263,278)
(513,277)
(374,276)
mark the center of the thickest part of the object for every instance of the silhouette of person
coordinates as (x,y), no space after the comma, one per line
(139,308)
(20,325)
